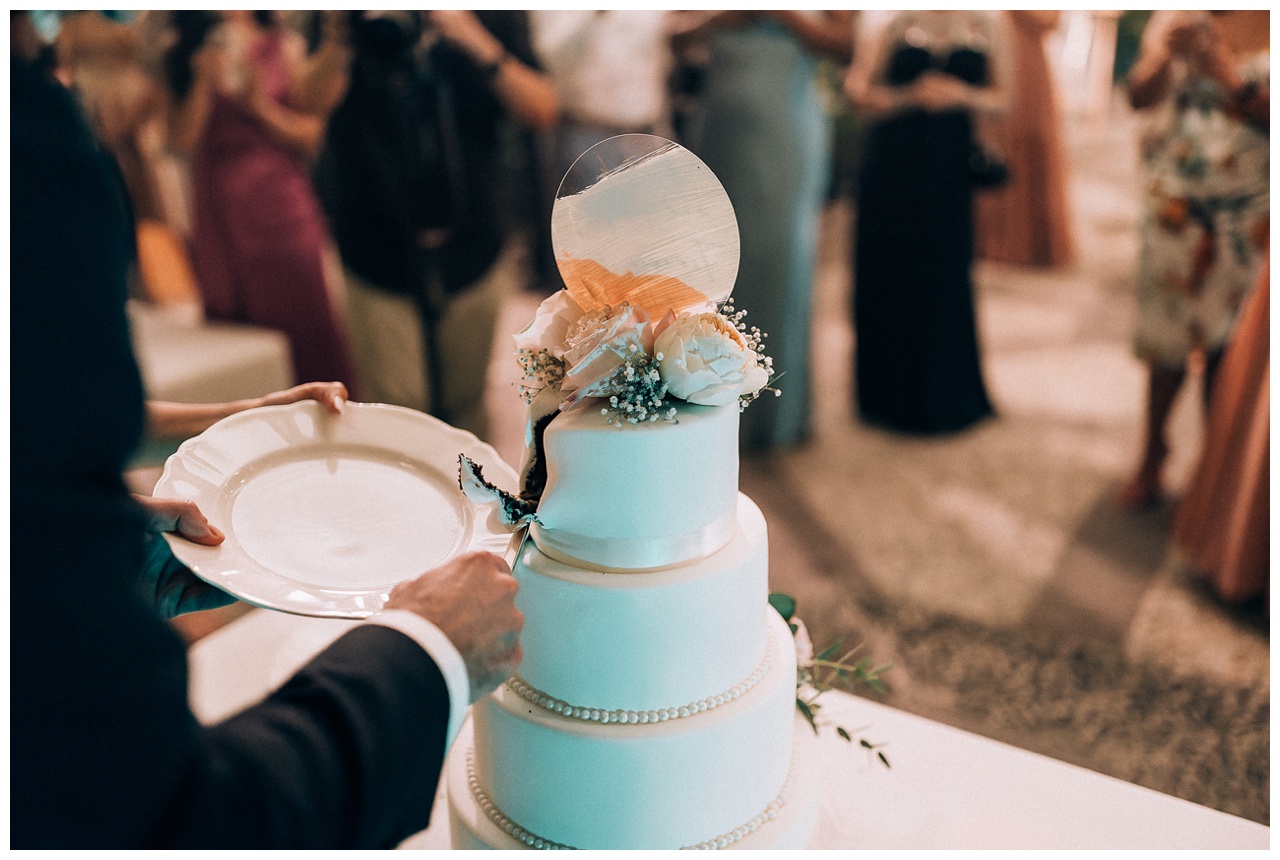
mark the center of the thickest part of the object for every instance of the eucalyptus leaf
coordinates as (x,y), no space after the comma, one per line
(808,714)
(826,653)
(785,604)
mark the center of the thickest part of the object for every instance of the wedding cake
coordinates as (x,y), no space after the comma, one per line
(655,705)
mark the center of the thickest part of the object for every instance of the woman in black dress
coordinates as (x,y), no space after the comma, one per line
(920,80)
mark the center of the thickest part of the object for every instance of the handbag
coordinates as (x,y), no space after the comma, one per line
(987,169)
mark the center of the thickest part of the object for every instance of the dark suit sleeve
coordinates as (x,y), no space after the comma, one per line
(106,753)
(346,754)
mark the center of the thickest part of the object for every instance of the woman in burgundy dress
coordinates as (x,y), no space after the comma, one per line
(259,233)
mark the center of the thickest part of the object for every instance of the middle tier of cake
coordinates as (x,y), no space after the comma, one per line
(646,642)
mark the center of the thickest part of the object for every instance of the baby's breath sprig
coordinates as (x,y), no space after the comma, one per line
(754,339)
(541,369)
(637,393)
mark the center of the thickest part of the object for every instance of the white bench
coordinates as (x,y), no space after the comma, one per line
(187,360)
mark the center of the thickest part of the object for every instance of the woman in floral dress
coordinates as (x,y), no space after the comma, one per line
(1204,81)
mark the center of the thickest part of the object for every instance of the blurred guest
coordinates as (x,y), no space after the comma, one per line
(1203,82)
(1028,221)
(919,80)
(1223,524)
(105,64)
(410,176)
(610,71)
(259,235)
(25,44)
(99,59)
(763,129)
(106,752)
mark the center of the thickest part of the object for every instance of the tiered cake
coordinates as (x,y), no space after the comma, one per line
(655,705)
(654,708)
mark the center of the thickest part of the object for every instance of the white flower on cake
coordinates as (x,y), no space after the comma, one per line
(706,360)
(804,644)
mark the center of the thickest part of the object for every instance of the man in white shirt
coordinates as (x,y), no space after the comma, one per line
(610,69)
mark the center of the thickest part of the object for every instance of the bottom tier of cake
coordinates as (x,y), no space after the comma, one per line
(724,770)
(786,823)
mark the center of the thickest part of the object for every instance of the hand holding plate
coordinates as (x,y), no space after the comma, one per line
(181,517)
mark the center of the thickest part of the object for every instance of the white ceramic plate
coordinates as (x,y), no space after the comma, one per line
(325,514)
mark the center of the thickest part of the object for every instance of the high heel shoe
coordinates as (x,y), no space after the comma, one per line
(1144,490)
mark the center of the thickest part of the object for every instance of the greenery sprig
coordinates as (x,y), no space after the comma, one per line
(826,671)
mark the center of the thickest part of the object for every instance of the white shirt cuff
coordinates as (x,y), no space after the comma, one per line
(445,655)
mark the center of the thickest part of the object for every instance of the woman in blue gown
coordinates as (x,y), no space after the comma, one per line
(762,129)
(919,81)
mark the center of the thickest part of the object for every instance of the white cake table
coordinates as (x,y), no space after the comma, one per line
(947,788)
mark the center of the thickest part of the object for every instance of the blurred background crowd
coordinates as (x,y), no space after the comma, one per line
(374,185)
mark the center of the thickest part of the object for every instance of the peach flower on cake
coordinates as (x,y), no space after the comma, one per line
(597,344)
(550,327)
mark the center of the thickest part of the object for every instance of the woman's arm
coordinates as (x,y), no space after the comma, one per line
(187,116)
(1218,58)
(995,97)
(183,420)
(324,76)
(687,28)
(527,93)
(299,129)
(829,34)
(1151,77)
(864,82)
(1039,21)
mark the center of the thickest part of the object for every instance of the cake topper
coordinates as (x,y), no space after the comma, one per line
(641,219)
(647,244)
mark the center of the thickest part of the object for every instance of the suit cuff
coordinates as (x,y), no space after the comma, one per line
(445,655)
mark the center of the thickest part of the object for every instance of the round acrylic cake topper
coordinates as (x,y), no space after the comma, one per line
(641,219)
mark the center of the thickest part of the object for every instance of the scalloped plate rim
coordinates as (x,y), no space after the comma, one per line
(252,583)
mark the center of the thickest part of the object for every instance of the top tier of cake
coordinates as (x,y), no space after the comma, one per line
(641,496)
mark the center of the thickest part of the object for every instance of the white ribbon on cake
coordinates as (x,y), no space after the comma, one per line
(632,555)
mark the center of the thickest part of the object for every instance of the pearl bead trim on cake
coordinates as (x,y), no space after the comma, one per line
(495,815)
(523,836)
(522,688)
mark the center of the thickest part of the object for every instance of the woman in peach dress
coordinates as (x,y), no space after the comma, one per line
(1222,527)
(1028,221)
